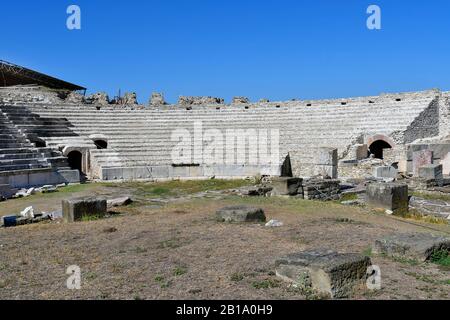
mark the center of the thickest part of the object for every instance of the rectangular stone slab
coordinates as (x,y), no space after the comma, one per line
(76,209)
(417,246)
(328,272)
(432,172)
(385,172)
(420,159)
(389,196)
(285,186)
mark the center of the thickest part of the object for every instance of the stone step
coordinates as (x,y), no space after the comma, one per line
(24,150)
(17,156)
(22,167)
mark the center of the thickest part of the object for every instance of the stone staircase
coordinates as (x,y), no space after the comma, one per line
(142,137)
(22,163)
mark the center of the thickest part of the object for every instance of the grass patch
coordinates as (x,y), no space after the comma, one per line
(417,216)
(431,196)
(411,262)
(172,188)
(441,257)
(88,218)
(237,277)
(169,244)
(266,284)
(367,252)
(140,250)
(348,197)
(162,282)
(179,271)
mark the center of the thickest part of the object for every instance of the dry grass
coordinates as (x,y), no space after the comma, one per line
(176,250)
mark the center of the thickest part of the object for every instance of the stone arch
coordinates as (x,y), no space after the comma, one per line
(377,143)
(73,154)
(100,141)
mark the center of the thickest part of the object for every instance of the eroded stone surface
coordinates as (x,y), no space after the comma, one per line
(420,159)
(286,186)
(389,196)
(76,209)
(417,246)
(432,172)
(241,214)
(328,272)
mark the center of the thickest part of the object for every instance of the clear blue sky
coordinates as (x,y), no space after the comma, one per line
(276,49)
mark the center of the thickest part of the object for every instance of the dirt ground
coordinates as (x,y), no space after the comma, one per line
(161,247)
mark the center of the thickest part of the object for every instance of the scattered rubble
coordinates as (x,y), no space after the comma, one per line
(119,202)
(437,208)
(27,216)
(416,246)
(241,214)
(274,224)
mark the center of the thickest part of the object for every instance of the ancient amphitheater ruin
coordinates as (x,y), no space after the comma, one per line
(52,133)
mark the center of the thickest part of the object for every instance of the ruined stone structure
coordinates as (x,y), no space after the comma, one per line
(41,127)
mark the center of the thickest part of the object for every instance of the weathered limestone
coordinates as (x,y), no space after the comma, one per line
(417,246)
(286,186)
(76,209)
(118,202)
(157,99)
(328,272)
(321,189)
(240,100)
(75,97)
(420,159)
(141,139)
(445,161)
(385,172)
(326,162)
(100,98)
(185,100)
(129,98)
(389,196)
(361,151)
(436,208)
(432,172)
(241,214)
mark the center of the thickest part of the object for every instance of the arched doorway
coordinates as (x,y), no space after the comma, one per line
(377,148)
(101,144)
(75,160)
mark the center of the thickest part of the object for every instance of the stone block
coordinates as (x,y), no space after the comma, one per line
(326,171)
(417,246)
(420,159)
(432,172)
(241,214)
(285,186)
(389,196)
(445,161)
(326,157)
(385,172)
(69,176)
(327,272)
(361,151)
(76,209)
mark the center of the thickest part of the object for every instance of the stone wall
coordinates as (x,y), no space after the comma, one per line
(427,124)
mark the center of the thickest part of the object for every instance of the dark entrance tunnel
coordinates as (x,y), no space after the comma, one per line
(75,159)
(377,148)
(101,144)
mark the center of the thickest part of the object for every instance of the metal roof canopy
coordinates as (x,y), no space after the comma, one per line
(13,75)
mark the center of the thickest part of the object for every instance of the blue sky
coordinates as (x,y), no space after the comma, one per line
(276,49)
